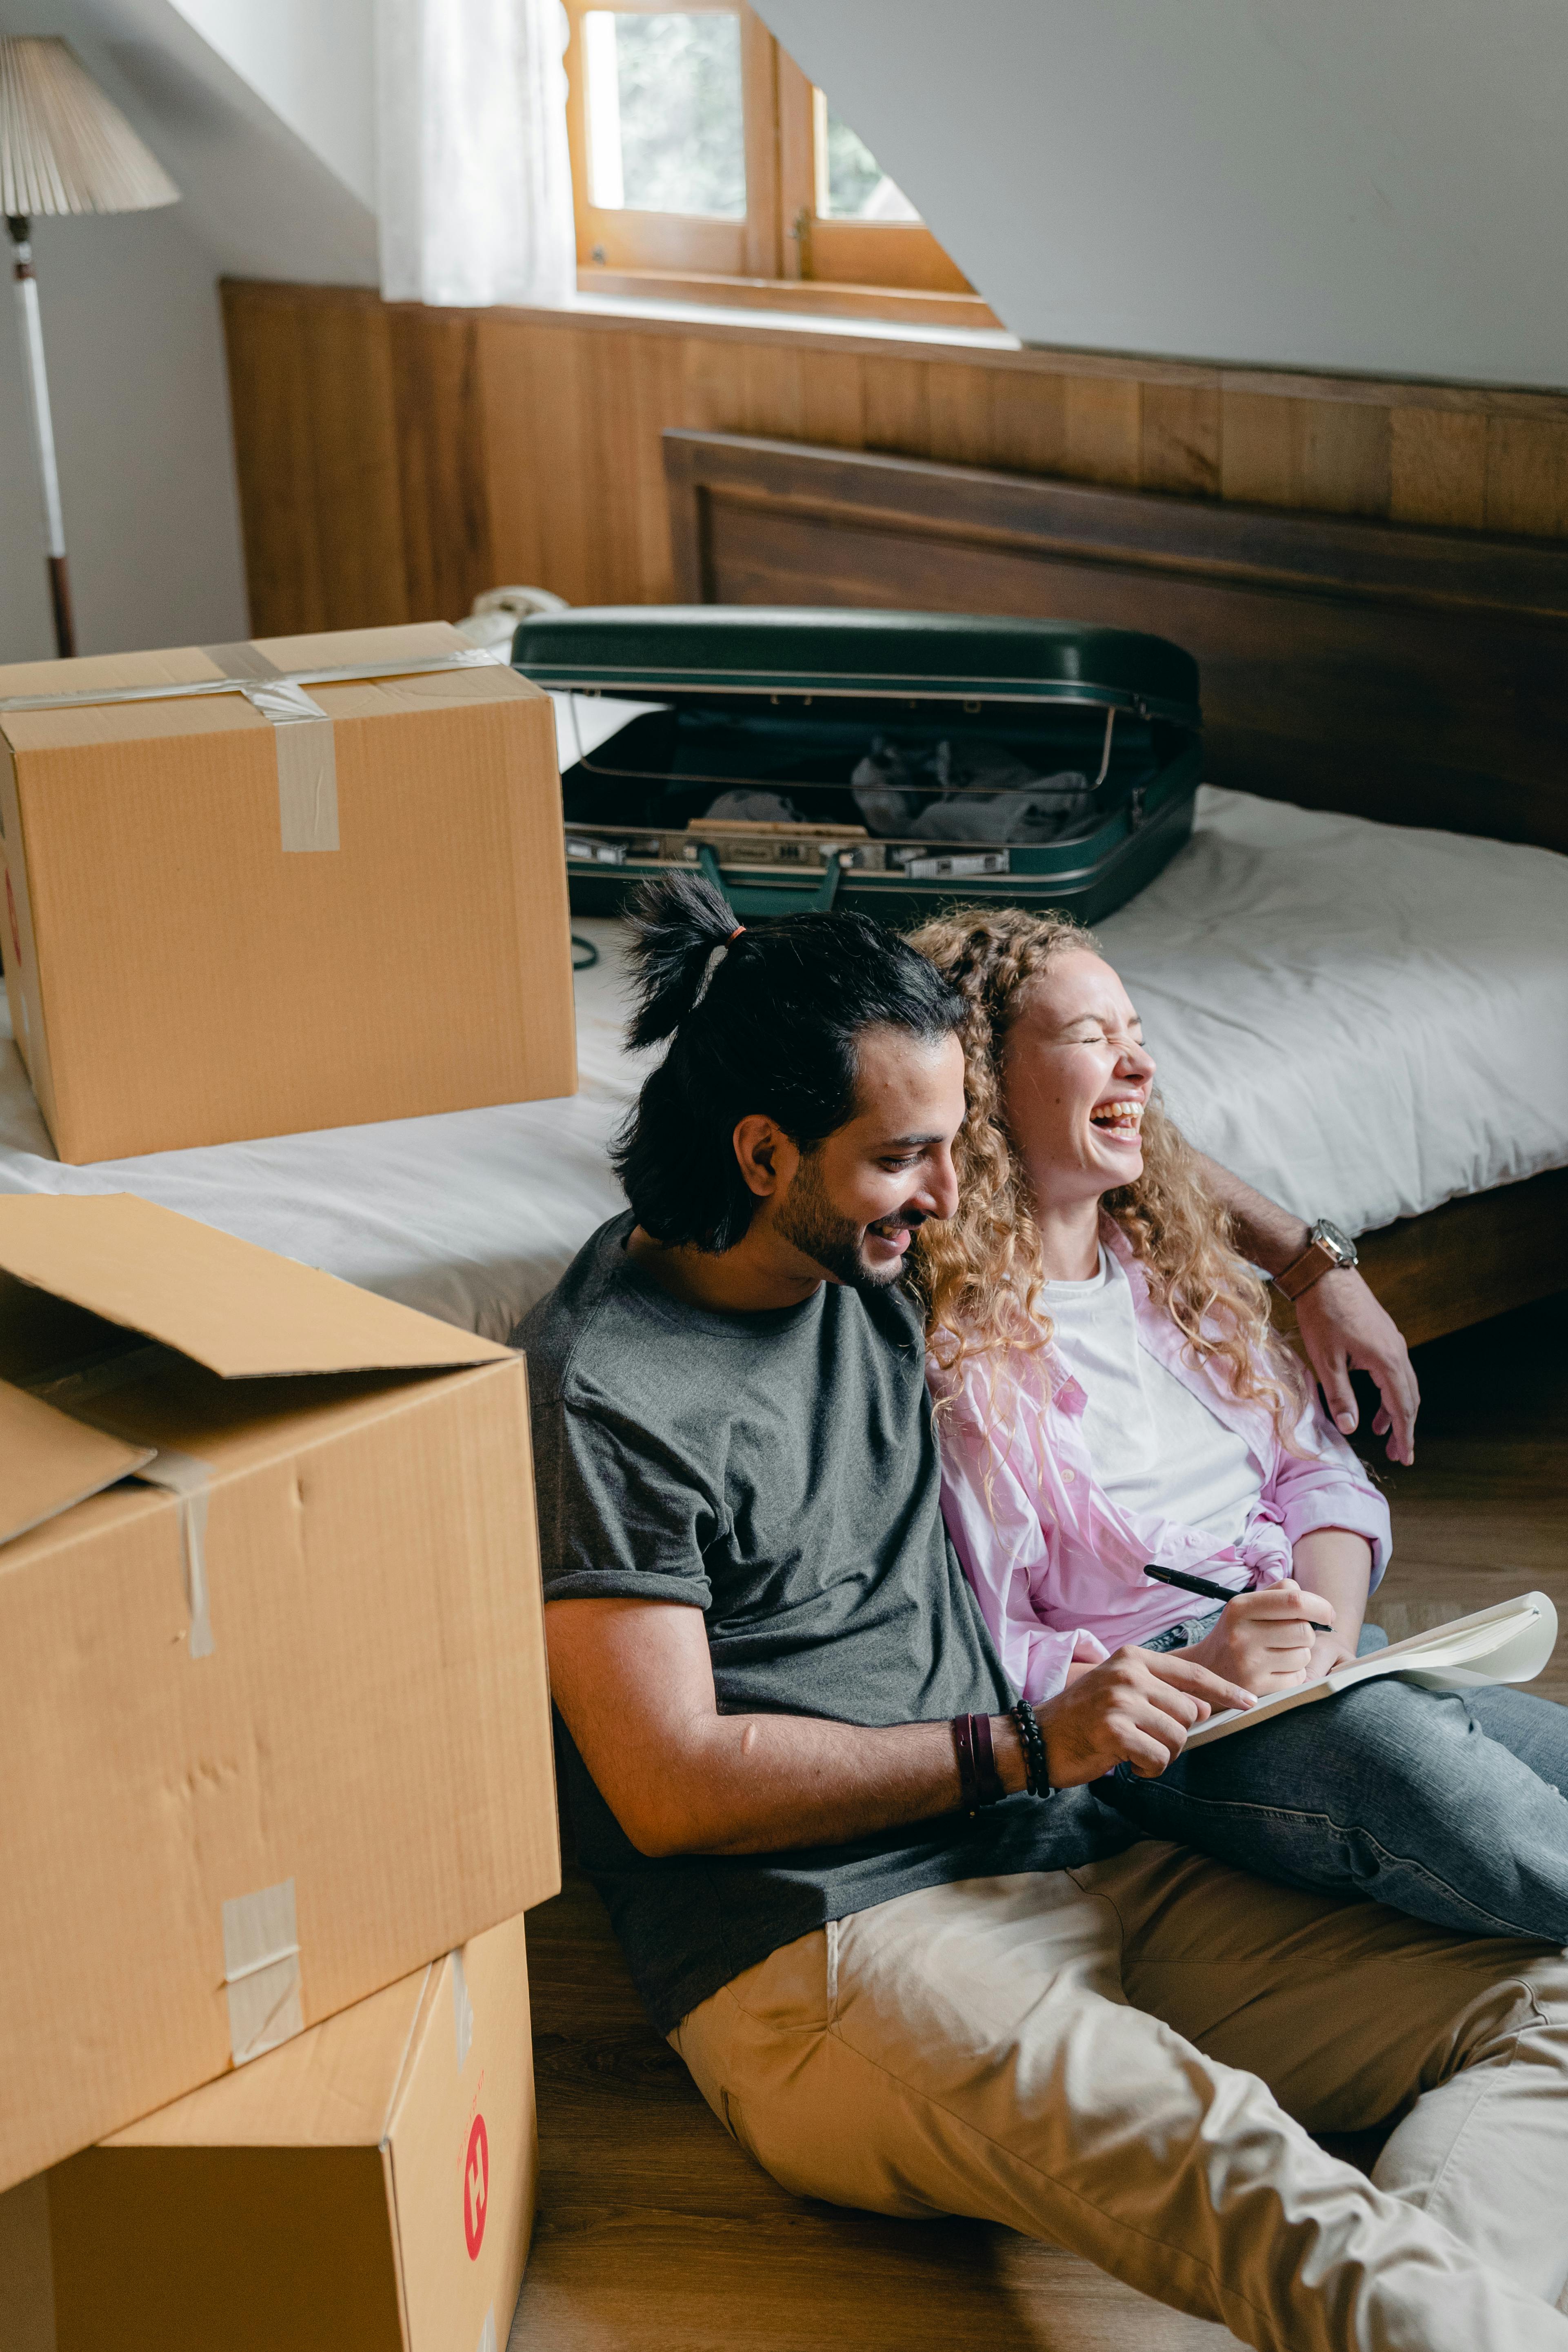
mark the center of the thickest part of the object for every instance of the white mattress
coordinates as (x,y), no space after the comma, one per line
(1363,1021)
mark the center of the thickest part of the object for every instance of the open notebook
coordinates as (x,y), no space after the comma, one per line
(1508,1642)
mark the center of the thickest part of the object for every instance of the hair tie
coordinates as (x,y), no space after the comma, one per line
(735,933)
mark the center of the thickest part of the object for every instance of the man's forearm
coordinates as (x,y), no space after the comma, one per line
(634,1681)
(760,1783)
(1340,1324)
(1269,1236)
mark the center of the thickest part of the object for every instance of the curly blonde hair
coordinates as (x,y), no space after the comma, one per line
(979,1275)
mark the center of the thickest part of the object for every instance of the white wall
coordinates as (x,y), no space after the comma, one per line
(141,404)
(131,321)
(313,62)
(1316,184)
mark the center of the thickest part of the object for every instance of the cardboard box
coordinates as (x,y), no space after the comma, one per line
(370,2186)
(274,1729)
(221,917)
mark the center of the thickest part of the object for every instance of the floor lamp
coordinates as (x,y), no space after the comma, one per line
(63,149)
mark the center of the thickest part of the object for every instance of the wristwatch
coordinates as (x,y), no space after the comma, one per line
(1328,1248)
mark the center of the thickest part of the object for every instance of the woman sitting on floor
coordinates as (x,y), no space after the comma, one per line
(1109,1394)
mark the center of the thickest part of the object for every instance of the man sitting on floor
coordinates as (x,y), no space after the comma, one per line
(758,1640)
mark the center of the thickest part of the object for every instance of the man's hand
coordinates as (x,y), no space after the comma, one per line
(1265,1640)
(1136,1709)
(1344,1329)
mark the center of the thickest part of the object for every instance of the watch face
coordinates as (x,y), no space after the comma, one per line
(1333,1239)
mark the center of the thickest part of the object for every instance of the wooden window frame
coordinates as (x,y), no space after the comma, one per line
(786,253)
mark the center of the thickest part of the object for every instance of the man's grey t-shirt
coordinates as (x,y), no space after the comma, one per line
(778,1472)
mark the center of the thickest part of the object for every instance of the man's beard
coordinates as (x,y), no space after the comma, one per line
(807,1218)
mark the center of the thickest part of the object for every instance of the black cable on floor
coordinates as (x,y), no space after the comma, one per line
(589,957)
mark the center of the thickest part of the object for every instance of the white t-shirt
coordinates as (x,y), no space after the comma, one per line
(1155,1448)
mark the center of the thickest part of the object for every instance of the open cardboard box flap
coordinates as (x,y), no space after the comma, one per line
(47,1461)
(242,1311)
(334,2086)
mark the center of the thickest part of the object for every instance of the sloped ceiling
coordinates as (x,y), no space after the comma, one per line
(261,109)
(1316,184)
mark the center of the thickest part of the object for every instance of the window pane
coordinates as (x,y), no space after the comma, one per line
(856,187)
(666,133)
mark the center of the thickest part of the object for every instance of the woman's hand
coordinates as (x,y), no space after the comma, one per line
(1329,1651)
(1265,1640)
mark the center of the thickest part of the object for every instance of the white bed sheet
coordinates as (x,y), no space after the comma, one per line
(1363,1021)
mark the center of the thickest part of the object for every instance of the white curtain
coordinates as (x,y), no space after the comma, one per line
(475,181)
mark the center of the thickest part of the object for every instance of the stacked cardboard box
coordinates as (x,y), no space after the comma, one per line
(301,883)
(371,2183)
(274,1736)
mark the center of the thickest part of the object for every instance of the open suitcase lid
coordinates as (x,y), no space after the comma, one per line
(679,652)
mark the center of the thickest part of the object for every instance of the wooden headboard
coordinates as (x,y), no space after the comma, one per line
(1409,674)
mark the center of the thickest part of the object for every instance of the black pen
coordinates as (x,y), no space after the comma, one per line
(1210,1591)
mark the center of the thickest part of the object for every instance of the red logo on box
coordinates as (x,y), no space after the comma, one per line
(476,2187)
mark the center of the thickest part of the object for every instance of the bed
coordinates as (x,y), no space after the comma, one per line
(1367,1083)
(1359,669)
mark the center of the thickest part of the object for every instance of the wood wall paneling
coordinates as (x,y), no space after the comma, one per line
(1527,476)
(1438,467)
(898,408)
(1181,434)
(394,460)
(1103,429)
(442,458)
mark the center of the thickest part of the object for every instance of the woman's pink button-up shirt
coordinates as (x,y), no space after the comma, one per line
(1057,1567)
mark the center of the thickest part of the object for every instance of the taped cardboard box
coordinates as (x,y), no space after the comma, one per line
(370,2185)
(274,1727)
(246,910)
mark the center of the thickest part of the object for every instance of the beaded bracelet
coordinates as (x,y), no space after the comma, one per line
(1036,1771)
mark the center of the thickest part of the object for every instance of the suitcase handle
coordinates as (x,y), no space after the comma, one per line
(774,899)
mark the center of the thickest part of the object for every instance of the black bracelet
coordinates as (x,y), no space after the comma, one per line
(1037,1772)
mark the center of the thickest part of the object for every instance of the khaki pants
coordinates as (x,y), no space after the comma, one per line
(1127,2058)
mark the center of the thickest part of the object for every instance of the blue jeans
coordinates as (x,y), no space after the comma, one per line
(1452,1806)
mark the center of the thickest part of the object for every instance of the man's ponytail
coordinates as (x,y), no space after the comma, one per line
(676,923)
(772,1028)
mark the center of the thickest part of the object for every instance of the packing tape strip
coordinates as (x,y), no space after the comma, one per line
(261,1970)
(185,1475)
(462,2011)
(188,1478)
(302,732)
(486,2342)
(307,763)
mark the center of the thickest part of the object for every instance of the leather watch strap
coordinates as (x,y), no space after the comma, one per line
(1316,1259)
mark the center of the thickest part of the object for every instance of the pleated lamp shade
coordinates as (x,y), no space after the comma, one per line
(63,147)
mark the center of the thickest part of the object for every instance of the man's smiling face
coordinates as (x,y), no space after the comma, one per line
(855,1198)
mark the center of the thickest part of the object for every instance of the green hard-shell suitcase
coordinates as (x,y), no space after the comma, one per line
(891,763)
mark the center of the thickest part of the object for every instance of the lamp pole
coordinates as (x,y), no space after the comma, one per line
(43,434)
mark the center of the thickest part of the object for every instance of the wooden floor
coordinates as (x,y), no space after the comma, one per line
(656,2233)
